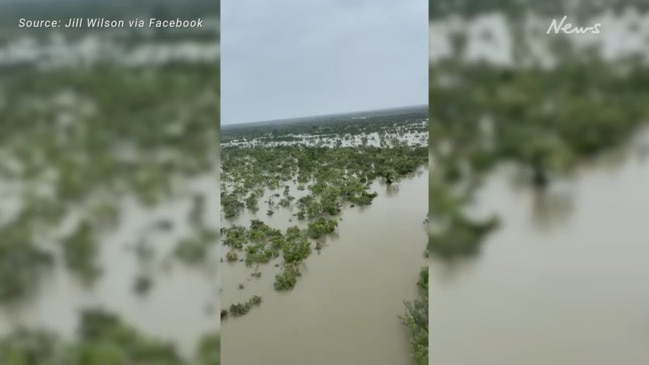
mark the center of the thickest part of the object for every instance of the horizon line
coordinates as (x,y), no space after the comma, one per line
(324,115)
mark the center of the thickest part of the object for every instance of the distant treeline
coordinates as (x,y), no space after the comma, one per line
(324,125)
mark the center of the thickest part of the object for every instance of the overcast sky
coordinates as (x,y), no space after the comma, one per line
(293,58)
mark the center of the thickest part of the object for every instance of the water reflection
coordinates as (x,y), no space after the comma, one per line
(551,209)
(452,270)
(391,190)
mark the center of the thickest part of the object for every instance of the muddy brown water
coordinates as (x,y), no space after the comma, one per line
(181,306)
(563,282)
(344,309)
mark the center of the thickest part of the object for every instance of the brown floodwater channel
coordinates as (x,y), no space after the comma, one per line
(344,309)
(564,281)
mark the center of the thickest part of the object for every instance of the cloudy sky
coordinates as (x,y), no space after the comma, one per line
(293,58)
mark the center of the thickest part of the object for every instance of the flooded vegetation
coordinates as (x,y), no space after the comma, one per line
(102,339)
(525,201)
(109,203)
(284,203)
(416,318)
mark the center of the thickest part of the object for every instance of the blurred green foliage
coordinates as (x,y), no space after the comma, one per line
(102,339)
(79,140)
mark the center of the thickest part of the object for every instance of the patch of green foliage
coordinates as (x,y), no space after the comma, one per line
(81,252)
(321,227)
(287,278)
(102,339)
(195,250)
(209,350)
(21,262)
(416,318)
(239,309)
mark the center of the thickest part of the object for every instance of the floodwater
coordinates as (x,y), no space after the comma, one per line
(182,304)
(563,282)
(344,309)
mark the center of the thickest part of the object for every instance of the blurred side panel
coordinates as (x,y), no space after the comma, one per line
(538,194)
(109,190)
